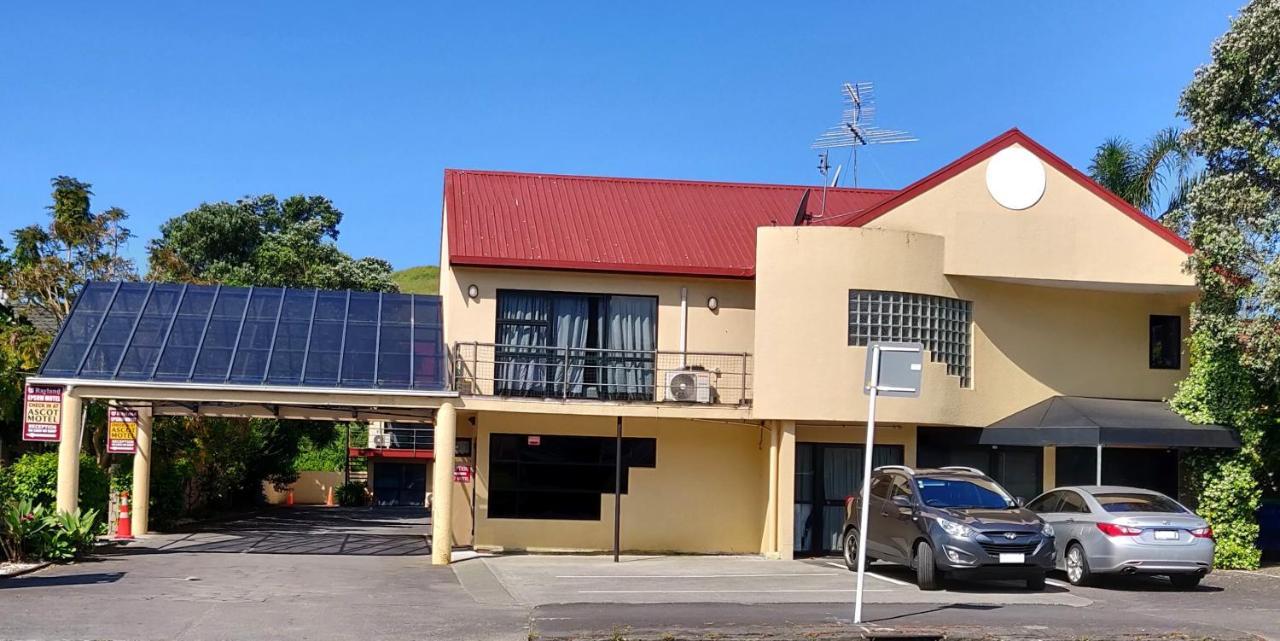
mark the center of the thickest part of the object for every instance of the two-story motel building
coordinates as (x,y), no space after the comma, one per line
(572,301)
(722,329)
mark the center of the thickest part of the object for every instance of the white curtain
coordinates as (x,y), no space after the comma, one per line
(521,357)
(632,332)
(570,334)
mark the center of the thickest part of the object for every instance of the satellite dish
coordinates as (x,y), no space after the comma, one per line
(1015,178)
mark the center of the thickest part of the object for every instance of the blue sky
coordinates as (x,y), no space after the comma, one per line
(163,107)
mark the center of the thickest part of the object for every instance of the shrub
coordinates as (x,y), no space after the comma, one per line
(34,477)
(352,494)
(67,535)
(21,523)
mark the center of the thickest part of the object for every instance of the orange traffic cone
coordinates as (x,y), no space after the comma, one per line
(288,499)
(124,524)
(329,500)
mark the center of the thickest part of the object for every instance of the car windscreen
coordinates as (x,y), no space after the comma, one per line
(962,493)
(1138,502)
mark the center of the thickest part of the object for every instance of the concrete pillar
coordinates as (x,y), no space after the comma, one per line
(446,432)
(1050,470)
(769,546)
(786,490)
(68,495)
(141,494)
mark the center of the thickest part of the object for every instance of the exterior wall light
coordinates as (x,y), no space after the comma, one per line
(713,303)
(473,292)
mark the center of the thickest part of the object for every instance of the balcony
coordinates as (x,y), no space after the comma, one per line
(393,441)
(573,373)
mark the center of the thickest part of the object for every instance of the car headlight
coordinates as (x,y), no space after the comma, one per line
(959,530)
(1047,530)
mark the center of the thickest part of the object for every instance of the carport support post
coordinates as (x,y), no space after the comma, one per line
(1098,466)
(445,444)
(68,495)
(141,499)
(617,494)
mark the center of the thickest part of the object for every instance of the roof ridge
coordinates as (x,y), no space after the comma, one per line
(665,181)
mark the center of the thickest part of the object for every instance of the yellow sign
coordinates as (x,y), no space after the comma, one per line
(122,430)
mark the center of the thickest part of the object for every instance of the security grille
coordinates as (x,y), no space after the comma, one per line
(940,323)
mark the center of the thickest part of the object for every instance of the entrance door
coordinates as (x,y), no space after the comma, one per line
(399,484)
(826,474)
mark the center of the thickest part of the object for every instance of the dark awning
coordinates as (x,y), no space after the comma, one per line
(1074,421)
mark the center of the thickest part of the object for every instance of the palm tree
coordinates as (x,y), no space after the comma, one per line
(1141,175)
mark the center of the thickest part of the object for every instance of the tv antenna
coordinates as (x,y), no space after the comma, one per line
(856,128)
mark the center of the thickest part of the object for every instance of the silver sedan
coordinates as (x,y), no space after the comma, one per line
(1104,529)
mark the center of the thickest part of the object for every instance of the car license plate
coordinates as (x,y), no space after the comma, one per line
(1166,535)
(1006,557)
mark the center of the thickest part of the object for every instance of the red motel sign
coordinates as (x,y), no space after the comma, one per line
(42,413)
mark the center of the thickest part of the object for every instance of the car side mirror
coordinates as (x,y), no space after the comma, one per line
(902,501)
(1019,501)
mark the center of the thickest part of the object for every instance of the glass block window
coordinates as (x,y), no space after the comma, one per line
(940,323)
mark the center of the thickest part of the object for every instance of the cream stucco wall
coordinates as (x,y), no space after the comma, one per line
(1069,235)
(1028,342)
(707,493)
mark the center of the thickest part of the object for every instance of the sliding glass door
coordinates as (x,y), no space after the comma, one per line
(575,345)
(826,474)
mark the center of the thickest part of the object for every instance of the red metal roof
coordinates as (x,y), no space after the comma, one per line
(636,225)
(505,219)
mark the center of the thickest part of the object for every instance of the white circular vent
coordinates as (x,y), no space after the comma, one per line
(1015,178)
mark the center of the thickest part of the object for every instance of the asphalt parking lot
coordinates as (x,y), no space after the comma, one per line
(339,574)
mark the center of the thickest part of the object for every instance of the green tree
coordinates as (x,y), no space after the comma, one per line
(1142,175)
(263,241)
(43,274)
(219,463)
(50,264)
(1232,217)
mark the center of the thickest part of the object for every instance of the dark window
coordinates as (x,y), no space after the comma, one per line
(1073,503)
(575,345)
(1135,502)
(1166,342)
(1046,504)
(902,487)
(558,477)
(880,487)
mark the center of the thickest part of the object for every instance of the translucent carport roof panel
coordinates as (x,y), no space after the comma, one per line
(275,336)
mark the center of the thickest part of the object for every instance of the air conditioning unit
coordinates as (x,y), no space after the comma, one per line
(379,441)
(688,386)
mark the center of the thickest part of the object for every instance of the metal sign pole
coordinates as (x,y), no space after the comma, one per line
(866,482)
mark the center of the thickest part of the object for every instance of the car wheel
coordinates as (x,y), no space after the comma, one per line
(851,550)
(926,569)
(1185,581)
(1035,583)
(1078,566)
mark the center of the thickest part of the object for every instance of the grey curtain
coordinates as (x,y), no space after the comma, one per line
(520,360)
(570,337)
(632,333)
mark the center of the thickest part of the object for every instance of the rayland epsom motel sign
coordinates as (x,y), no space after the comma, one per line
(42,417)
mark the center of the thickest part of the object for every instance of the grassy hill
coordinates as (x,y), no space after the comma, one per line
(424,279)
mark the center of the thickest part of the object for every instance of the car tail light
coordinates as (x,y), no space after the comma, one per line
(1203,533)
(848,504)
(1112,529)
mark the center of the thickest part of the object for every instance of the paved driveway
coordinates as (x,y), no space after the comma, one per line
(305,573)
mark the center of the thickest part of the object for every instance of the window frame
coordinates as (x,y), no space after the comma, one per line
(1168,358)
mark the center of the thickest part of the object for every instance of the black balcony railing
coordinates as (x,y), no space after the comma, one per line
(490,369)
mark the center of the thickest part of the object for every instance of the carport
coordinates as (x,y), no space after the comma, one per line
(250,352)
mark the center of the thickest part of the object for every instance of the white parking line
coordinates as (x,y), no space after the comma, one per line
(873,575)
(690,576)
(711,591)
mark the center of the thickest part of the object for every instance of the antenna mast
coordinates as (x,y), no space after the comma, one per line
(856,128)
